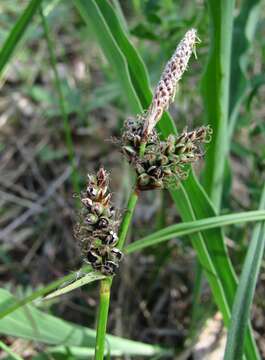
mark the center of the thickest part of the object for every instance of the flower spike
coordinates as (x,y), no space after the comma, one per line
(166,89)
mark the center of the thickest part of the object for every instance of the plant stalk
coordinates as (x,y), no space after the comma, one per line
(104,295)
(105,285)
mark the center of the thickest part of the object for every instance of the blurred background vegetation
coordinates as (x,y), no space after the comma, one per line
(155,292)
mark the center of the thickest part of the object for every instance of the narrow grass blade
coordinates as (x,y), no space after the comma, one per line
(14,304)
(190,198)
(86,279)
(16,34)
(215,90)
(191,227)
(245,291)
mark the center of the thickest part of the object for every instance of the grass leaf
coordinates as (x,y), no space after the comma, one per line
(16,34)
(245,291)
(86,279)
(187,228)
(215,90)
(11,306)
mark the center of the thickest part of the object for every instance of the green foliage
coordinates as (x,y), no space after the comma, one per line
(187,228)
(30,323)
(245,291)
(190,198)
(228,80)
(16,34)
(215,89)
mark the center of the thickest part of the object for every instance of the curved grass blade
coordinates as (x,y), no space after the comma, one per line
(16,34)
(11,306)
(190,198)
(86,279)
(191,227)
(245,291)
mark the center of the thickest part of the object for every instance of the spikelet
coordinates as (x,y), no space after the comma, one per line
(97,225)
(165,163)
(165,91)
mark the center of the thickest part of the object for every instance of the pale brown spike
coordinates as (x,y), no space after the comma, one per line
(166,88)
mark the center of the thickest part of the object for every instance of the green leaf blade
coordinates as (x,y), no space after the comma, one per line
(245,291)
(187,228)
(16,34)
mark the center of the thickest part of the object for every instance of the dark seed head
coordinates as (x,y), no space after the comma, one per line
(109,268)
(155,171)
(92,257)
(117,254)
(103,222)
(111,239)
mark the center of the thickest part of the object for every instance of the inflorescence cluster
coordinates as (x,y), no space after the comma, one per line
(161,164)
(97,226)
(164,162)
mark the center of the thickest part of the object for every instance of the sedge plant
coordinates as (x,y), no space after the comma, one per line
(157,164)
(219,270)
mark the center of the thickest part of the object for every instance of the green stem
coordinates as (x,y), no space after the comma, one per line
(62,104)
(127,218)
(105,285)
